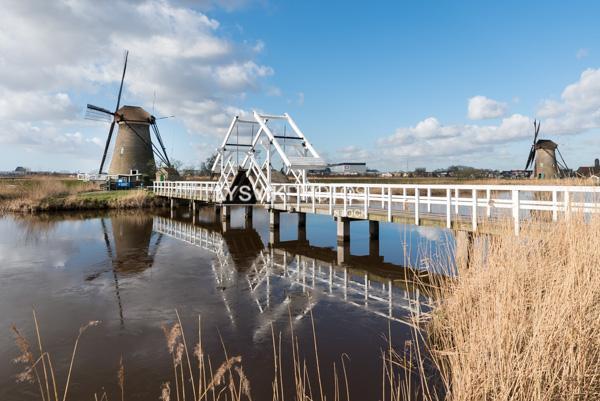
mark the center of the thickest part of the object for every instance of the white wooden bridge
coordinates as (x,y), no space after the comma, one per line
(253,159)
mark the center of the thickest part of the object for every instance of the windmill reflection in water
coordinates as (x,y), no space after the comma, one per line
(131,247)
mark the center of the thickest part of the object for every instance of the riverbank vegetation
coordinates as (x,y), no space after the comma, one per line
(52,194)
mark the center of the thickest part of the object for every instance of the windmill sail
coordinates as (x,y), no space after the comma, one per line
(135,153)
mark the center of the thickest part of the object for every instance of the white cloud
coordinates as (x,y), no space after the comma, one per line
(481,108)
(35,105)
(429,138)
(54,52)
(578,109)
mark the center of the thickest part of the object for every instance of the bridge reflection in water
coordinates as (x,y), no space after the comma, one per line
(292,275)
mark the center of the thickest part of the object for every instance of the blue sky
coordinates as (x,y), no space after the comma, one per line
(426,84)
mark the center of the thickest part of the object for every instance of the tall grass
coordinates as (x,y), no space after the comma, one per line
(522,319)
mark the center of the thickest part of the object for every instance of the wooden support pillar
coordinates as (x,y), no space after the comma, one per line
(343,229)
(226,213)
(217,213)
(248,216)
(274,218)
(172,203)
(274,236)
(343,252)
(373,229)
(301,226)
(463,248)
(301,219)
(374,247)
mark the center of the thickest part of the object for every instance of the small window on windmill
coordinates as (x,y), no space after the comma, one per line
(122,150)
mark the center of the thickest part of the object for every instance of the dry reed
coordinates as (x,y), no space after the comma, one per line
(48,388)
(521,320)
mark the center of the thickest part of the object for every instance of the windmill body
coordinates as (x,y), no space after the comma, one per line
(543,157)
(545,165)
(133,158)
(133,152)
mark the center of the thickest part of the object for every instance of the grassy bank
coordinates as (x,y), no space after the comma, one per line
(41,195)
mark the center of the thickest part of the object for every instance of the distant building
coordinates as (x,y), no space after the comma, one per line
(21,170)
(590,171)
(515,174)
(167,174)
(348,168)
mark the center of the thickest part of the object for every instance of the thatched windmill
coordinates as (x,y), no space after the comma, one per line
(134,152)
(543,156)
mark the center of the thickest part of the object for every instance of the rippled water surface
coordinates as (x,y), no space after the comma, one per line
(132,270)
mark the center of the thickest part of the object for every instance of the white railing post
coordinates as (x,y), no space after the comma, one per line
(474,210)
(488,195)
(404,198)
(456,193)
(366,202)
(567,201)
(314,200)
(285,196)
(331,198)
(554,205)
(297,198)
(428,200)
(515,210)
(389,206)
(417,205)
(448,208)
(345,201)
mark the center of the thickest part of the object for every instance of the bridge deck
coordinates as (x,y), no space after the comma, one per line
(486,208)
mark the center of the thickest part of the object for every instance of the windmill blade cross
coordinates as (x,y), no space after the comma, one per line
(122,80)
(530,157)
(93,108)
(110,132)
(160,141)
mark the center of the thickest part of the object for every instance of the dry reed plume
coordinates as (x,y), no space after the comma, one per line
(38,367)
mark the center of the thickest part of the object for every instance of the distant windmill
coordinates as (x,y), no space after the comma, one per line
(134,150)
(543,156)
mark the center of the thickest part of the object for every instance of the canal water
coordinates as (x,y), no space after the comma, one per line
(132,270)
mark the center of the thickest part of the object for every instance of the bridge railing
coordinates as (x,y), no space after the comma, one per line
(195,190)
(454,202)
